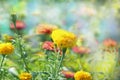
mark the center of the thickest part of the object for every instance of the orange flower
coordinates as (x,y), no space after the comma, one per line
(45,29)
(19,25)
(68,74)
(110,43)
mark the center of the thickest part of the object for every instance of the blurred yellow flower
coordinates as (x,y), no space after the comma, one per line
(7,38)
(25,76)
(6,48)
(82,75)
(63,39)
(40,54)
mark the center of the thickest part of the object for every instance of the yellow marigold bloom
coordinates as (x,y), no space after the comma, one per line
(25,76)
(6,48)
(63,38)
(82,75)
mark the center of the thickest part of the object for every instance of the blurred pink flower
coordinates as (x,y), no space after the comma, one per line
(81,49)
(19,25)
(48,45)
(68,74)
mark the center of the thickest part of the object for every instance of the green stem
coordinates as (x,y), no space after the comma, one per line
(14,22)
(19,43)
(3,58)
(2,61)
(61,60)
(22,55)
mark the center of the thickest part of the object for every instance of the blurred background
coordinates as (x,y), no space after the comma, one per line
(95,19)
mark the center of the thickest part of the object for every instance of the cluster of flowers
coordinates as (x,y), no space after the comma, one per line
(60,39)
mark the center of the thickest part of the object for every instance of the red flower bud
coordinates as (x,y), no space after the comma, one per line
(19,25)
(68,74)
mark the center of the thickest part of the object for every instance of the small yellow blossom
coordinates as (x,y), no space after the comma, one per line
(63,39)
(82,75)
(6,48)
(40,54)
(7,38)
(25,76)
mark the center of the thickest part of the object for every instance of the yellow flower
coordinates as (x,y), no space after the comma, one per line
(82,75)
(63,38)
(40,54)
(25,76)
(7,38)
(6,48)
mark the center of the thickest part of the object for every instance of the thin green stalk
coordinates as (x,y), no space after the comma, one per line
(19,43)
(60,64)
(22,55)
(14,22)
(3,58)
(61,60)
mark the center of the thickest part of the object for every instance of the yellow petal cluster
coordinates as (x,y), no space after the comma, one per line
(63,39)
(82,75)
(25,76)
(6,48)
